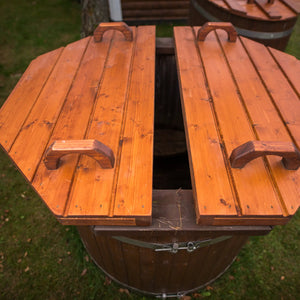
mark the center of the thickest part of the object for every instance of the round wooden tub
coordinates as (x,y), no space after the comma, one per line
(174,255)
(269,23)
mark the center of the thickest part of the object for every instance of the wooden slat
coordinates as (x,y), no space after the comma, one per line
(290,65)
(34,135)
(278,86)
(18,105)
(257,195)
(134,182)
(294,5)
(253,10)
(53,185)
(235,6)
(265,119)
(208,170)
(268,9)
(92,189)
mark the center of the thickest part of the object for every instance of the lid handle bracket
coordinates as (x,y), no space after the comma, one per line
(93,148)
(244,153)
(120,26)
(209,26)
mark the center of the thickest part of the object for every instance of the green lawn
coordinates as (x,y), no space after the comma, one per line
(41,259)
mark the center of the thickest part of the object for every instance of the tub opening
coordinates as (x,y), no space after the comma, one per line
(171,166)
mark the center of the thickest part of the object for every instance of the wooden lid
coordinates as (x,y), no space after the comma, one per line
(268,10)
(241,110)
(94,97)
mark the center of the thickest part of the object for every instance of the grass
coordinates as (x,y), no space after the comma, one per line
(41,259)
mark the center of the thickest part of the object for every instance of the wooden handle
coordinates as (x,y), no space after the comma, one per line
(243,154)
(120,26)
(209,26)
(100,152)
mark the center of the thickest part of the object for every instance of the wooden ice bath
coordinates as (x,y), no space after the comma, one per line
(165,153)
(270,22)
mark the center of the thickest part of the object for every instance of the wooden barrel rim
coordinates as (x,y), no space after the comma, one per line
(195,4)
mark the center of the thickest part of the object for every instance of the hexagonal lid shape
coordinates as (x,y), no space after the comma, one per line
(241,108)
(79,126)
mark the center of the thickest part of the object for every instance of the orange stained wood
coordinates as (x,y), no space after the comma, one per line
(261,9)
(269,9)
(96,185)
(54,185)
(264,116)
(243,110)
(290,66)
(15,110)
(136,159)
(29,145)
(282,93)
(212,188)
(113,111)
(235,6)
(83,92)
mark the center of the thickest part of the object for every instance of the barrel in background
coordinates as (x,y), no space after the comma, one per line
(272,29)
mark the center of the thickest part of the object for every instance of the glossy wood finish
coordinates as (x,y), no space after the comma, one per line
(269,22)
(210,26)
(88,91)
(233,93)
(120,26)
(93,148)
(245,153)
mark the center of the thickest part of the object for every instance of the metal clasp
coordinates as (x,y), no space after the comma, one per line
(173,247)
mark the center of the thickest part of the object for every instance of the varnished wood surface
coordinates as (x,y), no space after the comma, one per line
(245,153)
(88,90)
(93,148)
(265,22)
(261,9)
(231,93)
(250,95)
(210,26)
(120,26)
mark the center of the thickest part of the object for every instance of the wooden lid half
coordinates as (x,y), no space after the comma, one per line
(241,110)
(79,126)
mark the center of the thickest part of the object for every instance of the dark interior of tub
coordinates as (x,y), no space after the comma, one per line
(171,165)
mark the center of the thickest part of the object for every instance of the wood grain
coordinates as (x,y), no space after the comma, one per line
(15,110)
(290,66)
(134,183)
(210,26)
(259,88)
(33,138)
(268,8)
(93,148)
(54,186)
(235,6)
(120,26)
(282,93)
(92,188)
(207,166)
(245,153)
(232,82)
(254,182)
